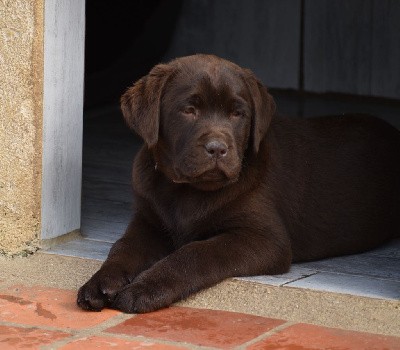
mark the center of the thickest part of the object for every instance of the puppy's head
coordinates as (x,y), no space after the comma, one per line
(199,115)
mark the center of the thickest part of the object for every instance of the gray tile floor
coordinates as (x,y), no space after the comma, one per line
(373,274)
(109,148)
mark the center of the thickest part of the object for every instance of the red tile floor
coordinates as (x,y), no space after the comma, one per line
(47,318)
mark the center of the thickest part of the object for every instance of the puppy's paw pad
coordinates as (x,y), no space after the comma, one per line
(100,291)
(89,300)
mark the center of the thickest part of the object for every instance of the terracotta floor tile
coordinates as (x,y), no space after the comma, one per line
(17,338)
(120,344)
(196,326)
(305,336)
(42,306)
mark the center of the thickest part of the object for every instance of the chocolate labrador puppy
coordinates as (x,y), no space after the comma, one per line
(224,188)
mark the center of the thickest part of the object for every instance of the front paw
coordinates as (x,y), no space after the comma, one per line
(141,297)
(101,289)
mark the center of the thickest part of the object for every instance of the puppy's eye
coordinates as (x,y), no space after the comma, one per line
(237,114)
(189,111)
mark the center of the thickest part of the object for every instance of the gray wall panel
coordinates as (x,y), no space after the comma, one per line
(263,35)
(337,46)
(385,79)
(350,47)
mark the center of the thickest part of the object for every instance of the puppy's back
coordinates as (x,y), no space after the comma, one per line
(340,177)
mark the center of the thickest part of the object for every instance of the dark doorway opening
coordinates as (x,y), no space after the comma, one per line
(124,39)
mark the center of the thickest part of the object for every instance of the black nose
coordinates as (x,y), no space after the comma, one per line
(216,149)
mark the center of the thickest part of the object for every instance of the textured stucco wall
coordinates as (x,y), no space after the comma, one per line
(21,111)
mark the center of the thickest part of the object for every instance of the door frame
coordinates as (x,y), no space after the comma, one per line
(63,88)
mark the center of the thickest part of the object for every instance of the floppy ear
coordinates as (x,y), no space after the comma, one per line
(263,109)
(140,104)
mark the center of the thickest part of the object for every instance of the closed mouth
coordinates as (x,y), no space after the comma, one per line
(212,175)
(216,174)
(210,180)
(208,176)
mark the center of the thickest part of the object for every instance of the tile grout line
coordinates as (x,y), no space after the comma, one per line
(157,340)
(265,335)
(100,331)
(87,332)
(299,278)
(352,274)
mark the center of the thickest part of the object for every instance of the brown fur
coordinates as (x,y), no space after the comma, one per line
(224,188)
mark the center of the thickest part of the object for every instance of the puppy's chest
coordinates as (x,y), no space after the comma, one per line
(187,219)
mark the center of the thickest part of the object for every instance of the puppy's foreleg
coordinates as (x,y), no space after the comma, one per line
(140,247)
(202,264)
